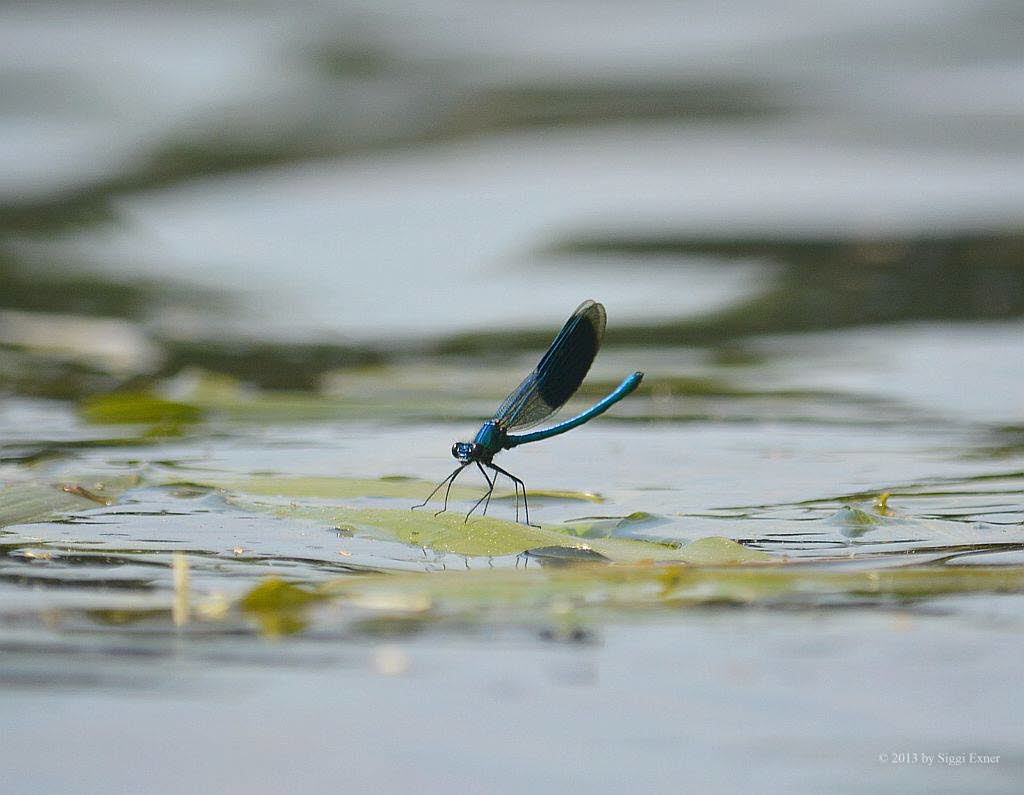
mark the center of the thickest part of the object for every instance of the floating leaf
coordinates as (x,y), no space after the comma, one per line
(484,536)
(138,407)
(719,551)
(328,487)
(605,526)
(32,501)
(448,533)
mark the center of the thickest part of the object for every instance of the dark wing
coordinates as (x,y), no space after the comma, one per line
(559,373)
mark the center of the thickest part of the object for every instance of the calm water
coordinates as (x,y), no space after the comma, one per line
(506,700)
(343,201)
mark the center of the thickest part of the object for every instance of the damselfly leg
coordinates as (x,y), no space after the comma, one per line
(448,480)
(487,496)
(518,485)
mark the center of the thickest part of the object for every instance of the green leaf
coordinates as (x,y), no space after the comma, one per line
(328,487)
(137,407)
(488,537)
(449,533)
(276,594)
(33,501)
(279,607)
(719,551)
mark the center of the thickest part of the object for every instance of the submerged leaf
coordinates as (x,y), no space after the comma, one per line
(543,495)
(276,594)
(279,607)
(566,556)
(848,516)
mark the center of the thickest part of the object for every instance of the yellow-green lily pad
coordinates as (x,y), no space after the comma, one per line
(138,407)
(330,487)
(490,537)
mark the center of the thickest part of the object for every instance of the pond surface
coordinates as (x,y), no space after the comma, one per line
(256,276)
(493,693)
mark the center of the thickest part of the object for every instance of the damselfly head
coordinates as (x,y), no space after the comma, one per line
(466,451)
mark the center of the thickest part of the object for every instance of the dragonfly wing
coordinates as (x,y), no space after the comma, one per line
(560,372)
(517,397)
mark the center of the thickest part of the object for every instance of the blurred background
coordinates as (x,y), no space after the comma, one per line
(277,192)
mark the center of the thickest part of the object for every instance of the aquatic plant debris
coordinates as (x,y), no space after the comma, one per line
(181,609)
